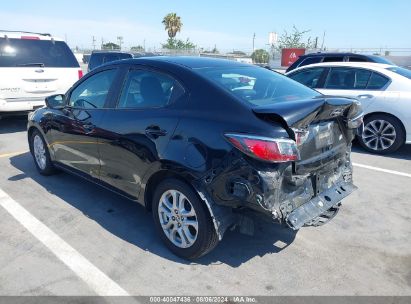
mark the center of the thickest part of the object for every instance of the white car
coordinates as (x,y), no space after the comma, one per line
(32,67)
(384,91)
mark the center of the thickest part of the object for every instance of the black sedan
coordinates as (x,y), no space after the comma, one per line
(202,143)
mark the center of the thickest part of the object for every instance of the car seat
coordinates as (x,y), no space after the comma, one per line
(152,92)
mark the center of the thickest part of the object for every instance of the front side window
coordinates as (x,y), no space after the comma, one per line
(256,85)
(92,92)
(308,77)
(148,89)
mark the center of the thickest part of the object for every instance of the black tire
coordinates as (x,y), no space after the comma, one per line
(394,122)
(48,169)
(207,237)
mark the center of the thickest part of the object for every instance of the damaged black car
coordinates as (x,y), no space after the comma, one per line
(201,142)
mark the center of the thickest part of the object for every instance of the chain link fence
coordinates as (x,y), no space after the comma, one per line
(399,56)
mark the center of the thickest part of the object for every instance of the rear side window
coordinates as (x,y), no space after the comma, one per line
(377,82)
(333,59)
(361,79)
(33,52)
(308,77)
(340,79)
(147,89)
(310,60)
(354,79)
(347,79)
(92,92)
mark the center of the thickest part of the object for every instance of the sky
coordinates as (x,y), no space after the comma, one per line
(225,24)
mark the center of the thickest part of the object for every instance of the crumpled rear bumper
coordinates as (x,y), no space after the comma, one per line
(319,204)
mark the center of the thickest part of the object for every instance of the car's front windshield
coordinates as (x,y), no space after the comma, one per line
(258,86)
(401,71)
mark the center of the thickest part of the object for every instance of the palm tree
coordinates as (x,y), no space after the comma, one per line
(172,24)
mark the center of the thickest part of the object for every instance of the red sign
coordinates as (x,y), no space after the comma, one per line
(289,56)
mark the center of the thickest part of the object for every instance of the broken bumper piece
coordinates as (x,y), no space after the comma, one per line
(318,205)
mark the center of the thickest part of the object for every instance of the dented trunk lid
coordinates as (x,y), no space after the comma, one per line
(319,127)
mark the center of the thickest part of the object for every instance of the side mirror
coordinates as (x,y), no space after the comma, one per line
(55,101)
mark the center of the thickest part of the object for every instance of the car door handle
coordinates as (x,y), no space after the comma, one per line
(365,96)
(155,132)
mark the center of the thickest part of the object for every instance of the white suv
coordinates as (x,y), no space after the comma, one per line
(32,67)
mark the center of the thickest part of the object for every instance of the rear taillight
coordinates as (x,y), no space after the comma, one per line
(263,148)
(80,74)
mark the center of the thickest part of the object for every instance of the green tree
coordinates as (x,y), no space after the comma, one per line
(137,48)
(110,46)
(213,51)
(172,24)
(295,39)
(260,56)
(177,44)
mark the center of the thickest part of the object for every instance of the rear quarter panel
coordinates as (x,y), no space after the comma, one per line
(397,104)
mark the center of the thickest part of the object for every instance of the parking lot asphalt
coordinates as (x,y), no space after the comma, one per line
(77,238)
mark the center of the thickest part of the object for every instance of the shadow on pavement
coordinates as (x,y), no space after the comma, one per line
(13,124)
(403,153)
(131,222)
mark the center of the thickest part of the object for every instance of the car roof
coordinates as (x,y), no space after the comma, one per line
(109,52)
(27,35)
(192,62)
(369,65)
(334,54)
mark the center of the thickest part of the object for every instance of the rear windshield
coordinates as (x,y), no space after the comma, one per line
(31,52)
(258,86)
(379,59)
(401,71)
(98,59)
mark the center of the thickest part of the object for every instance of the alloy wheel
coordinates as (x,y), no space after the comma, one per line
(39,152)
(178,218)
(379,135)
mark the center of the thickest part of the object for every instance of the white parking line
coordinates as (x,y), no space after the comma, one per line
(94,277)
(382,170)
(13,154)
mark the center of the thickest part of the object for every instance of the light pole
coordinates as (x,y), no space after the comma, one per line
(120,41)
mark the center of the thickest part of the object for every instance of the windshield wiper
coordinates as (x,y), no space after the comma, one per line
(32,64)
